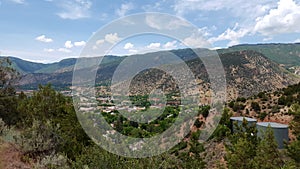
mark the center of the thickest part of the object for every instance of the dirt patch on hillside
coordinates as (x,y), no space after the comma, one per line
(10,157)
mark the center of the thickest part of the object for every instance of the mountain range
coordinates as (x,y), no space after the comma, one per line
(249,68)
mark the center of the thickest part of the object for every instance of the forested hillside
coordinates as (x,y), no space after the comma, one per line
(42,131)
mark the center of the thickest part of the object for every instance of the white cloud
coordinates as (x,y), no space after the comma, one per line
(103,16)
(205,31)
(241,11)
(183,6)
(100,42)
(233,43)
(43,38)
(284,19)
(154,45)
(68,44)
(164,23)
(38,61)
(267,39)
(95,47)
(49,50)
(80,43)
(75,9)
(196,40)
(233,35)
(112,38)
(18,1)
(170,45)
(128,46)
(239,8)
(297,41)
(133,51)
(152,7)
(124,9)
(64,50)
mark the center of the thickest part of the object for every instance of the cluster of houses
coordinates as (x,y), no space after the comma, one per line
(107,105)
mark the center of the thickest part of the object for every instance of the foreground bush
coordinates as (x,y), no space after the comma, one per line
(38,140)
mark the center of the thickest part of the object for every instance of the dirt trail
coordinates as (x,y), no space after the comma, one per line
(10,157)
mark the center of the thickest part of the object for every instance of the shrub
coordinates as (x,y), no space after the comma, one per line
(38,140)
(238,107)
(198,123)
(196,147)
(53,161)
(282,100)
(204,111)
(3,127)
(231,104)
(255,106)
(241,99)
(262,115)
(275,109)
(195,135)
(261,94)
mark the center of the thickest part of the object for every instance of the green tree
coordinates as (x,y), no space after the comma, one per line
(45,104)
(73,137)
(245,131)
(204,110)
(294,147)
(223,128)
(8,75)
(8,101)
(240,155)
(295,124)
(242,147)
(255,106)
(294,151)
(267,154)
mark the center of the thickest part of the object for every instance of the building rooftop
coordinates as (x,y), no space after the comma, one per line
(242,118)
(272,124)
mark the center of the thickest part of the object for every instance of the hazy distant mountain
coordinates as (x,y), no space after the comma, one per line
(25,67)
(59,74)
(28,67)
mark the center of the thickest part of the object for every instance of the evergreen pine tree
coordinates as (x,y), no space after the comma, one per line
(240,156)
(267,154)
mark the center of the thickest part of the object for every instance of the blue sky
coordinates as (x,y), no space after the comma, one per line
(50,30)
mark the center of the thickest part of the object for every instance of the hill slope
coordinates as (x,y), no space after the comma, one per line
(247,73)
(286,54)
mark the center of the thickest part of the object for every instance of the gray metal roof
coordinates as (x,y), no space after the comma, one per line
(272,124)
(242,118)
